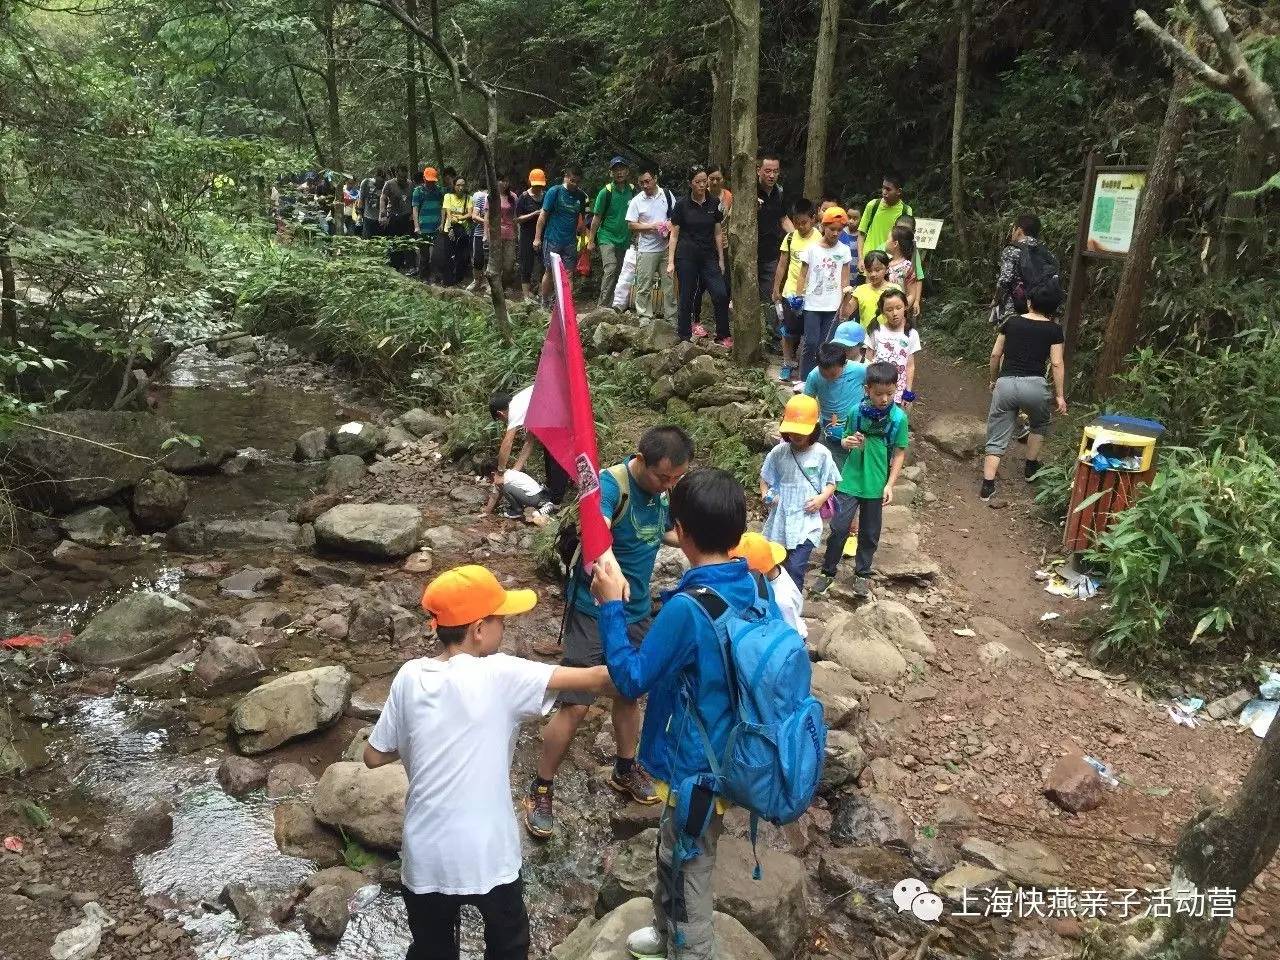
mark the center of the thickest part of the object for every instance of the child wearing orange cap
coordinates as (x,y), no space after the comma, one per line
(824,273)
(452,720)
(797,479)
(765,557)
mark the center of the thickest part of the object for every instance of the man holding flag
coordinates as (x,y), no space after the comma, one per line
(624,513)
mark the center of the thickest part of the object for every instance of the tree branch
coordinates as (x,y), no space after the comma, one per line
(1179,54)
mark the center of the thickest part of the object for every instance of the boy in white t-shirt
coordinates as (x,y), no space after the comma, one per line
(765,557)
(452,720)
(514,491)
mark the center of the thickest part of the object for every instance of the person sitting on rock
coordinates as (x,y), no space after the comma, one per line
(452,721)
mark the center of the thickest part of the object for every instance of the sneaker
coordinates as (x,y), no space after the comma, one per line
(988,490)
(1022,431)
(785,373)
(1029,469)
(539,816)
(700,331)
(797,386)
(547,509)
(726,342)
(861,587)
(647,944)
(636,784)
(822,584)
(511,513)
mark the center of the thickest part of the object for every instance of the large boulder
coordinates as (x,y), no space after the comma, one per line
(136,629)
(606,938)
(380,531)
(421,423)
(165,679)
(290,706)
(95,527)
(312,445)
(358,438)
(299,834)
(159,501)
(959,434)
(240,776)
(50,464)
(774,909)
(343,472)
(226,667)
(698,373)
(896,623)
(324,913)
(837,691)
(874,642)
(870,658)
(872,820)
(844,759)
(246,534)
(365,804)
(374,620)
(631,872)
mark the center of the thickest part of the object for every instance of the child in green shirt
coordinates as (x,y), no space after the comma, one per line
(875,433)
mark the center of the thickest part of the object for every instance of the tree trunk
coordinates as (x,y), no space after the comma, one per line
(718,149)
(1224,847)
(306,115)
(334,109)
(824,66)
(965,11)
(436,150)
(1240,232)
(8,282)
(411,93)
(493,228)
(1122,327)
(743,239)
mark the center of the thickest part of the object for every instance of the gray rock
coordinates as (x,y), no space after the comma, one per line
(967,879)
(605,938)
(700,372)
(349,880)
(871,819)
(905,493)
(289,707)
(759,434)
(240,776)
(365,804)
(343,472)
(48,465)
(959,434)
(845,759)
(325,573)
(289,779)
(324,913)
(248,534)
(251,582)
(954,811)
(631,873)
(775,911)
(934,856)
(266,614)
(901,561)
(249,904)
(443,538)
(420,423)
(660,391)
(312,507)
(159,501)
(657,337)
(994,655)
(226,667)
(376,530)
(136,629)
(355,749)
(613,337)
(187,537)
(374,620)
(895,622)
(721,394)
(837,691)
(395,439)
(95,527)
(367,702)
(248,460)
(470,495)
(312,445)
(358,437)
(1229,705)
(870,657)
(865,870)
(1025,862)
(299,834)
(164,679)
(632,818)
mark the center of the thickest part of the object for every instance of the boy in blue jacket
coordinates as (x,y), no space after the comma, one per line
(709,511)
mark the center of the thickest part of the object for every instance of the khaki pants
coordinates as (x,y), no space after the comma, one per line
(611,258)
(646,265)
(686,907)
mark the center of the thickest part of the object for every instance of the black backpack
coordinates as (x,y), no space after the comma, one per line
(1040,276)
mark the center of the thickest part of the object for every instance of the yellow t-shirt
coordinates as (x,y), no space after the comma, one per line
(455,208)
(797,245)
(869,301)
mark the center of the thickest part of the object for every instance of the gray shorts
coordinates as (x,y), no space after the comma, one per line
(1029,394)
(568,253)
(582,647)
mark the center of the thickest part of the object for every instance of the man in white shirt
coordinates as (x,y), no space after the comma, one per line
(649,217)
(511,409)
(452,720)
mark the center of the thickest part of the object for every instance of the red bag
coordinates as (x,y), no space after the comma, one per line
(583,269)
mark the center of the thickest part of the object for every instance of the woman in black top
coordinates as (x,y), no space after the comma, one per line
(696,251)
(1025,345)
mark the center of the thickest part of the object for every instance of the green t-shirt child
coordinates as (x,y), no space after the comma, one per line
(866,471)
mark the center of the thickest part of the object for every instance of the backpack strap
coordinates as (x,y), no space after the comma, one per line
(622,477)
(874,209)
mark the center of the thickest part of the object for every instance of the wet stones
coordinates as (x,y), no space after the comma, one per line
(299,834)
(343,472)
(366,804)
(240,776)
(312,445)
(357,438)
(324,913)
(289,779)
(872,819)
(136,629)
(289,707)
(251,582)
(226,666)
(376,531)
(95,527)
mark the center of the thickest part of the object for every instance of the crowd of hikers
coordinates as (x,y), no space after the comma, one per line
(720,657)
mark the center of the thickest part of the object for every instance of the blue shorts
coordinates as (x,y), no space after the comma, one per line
(568,252)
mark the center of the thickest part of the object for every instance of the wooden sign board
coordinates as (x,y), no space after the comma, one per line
(1113,210)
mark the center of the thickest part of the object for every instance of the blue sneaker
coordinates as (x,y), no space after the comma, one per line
(784,373)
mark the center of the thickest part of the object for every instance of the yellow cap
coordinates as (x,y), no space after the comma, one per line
(761,555)
(801,415)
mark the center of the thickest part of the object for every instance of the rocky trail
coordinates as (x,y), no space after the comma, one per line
(187,761)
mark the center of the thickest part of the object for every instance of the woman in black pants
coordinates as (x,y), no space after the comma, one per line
(696,251)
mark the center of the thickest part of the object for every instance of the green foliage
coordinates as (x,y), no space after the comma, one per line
(33,813)
(1193,564)
(355,856)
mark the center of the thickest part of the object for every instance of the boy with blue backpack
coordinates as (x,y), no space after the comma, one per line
(730,719)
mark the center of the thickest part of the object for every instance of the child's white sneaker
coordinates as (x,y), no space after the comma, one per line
(647,944)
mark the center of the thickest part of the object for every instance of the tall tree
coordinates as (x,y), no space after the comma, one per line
(743,239)
(411,92)
(1240,233)
(718,149)
(8,286)
(824,67)
(964,11)
(1122,326)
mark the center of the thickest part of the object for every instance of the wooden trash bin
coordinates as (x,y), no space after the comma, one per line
(1117,458)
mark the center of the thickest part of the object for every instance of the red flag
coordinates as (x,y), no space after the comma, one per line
(560,414)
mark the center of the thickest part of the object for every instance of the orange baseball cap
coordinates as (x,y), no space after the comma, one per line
(762,555)
(537,177)
(466,594)
(429,174)
(801,415)
(834,215)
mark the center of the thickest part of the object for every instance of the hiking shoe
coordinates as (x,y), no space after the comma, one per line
(700,331)
(1022,430)
(785,374)
(726,342)
(511,513)
(1029,469)
(822,584)
(647,944)
(635,784)
(861,587)
(988,490)
(539,815)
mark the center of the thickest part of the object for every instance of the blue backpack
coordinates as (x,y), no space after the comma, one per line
(773,759)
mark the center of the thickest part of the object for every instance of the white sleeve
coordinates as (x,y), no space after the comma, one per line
(913,342)
(633,209)
(385,737)
(524,684)
(519,409)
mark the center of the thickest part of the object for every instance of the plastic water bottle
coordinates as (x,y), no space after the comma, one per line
(364,897)
(770,497)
